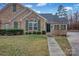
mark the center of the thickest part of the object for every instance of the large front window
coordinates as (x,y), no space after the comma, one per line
(33,25)
(63,27)
(60,27)
(56,27)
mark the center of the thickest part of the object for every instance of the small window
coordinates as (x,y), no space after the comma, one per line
(35,26)
(56,27)
(63,27)
(15,25)
(30,28)
(14,7)
(30,24)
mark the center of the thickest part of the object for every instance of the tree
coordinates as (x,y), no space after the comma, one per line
(76,19)
(62,11)
(76,16)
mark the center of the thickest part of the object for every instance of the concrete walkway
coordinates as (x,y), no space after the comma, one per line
(73,38)
(54,48)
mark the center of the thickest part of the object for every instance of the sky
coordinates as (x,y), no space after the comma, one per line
(49,7)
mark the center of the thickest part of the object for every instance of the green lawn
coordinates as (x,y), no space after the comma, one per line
(64,44)
(24,45)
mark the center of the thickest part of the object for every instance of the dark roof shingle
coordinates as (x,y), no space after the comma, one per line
(54,18)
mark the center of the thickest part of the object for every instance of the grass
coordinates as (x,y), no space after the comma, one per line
(25,45)
(64,44)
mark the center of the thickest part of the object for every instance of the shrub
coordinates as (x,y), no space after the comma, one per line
(1,32)
(11,32)
(26,33)
(43,32)
(38,32)
(29,32)
(34,32)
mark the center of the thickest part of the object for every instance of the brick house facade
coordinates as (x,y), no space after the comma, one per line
(16,16)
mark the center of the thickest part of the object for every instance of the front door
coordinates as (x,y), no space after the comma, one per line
(48,27)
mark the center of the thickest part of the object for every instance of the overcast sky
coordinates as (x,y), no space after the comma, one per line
(49,7)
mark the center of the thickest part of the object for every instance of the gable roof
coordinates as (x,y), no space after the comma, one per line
(54,19)
(31,11)
(9,4)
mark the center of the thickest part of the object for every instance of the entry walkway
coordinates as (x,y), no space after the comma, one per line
(54,48)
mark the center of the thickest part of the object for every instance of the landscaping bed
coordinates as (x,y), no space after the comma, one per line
(11,32)
(24,45)
(64,44)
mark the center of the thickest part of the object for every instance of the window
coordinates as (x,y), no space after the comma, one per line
(30,26)
(56,27)
(15,25)
(33,25)
(6,26)
(63,27)
(14,7)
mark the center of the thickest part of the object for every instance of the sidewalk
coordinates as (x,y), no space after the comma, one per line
(54,48)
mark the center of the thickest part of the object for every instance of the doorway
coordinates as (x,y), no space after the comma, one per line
(48,27)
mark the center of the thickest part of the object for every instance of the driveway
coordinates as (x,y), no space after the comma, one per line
(73,38)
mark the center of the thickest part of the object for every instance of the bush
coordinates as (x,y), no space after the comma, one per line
(1,32)
(34,32)
(26,33)
(43,32)
(11,32)
(29,32)
(38,32)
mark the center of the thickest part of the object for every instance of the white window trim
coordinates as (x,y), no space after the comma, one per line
(59,26)
(33,25)
(54,26)
(51,29)
(63,25)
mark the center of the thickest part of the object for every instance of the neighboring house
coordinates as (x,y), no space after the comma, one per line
(16,16)
(56,25)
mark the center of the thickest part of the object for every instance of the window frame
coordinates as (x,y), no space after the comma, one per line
(55,28)
(14,8)
(15,25)
(63,28)
(33,22)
